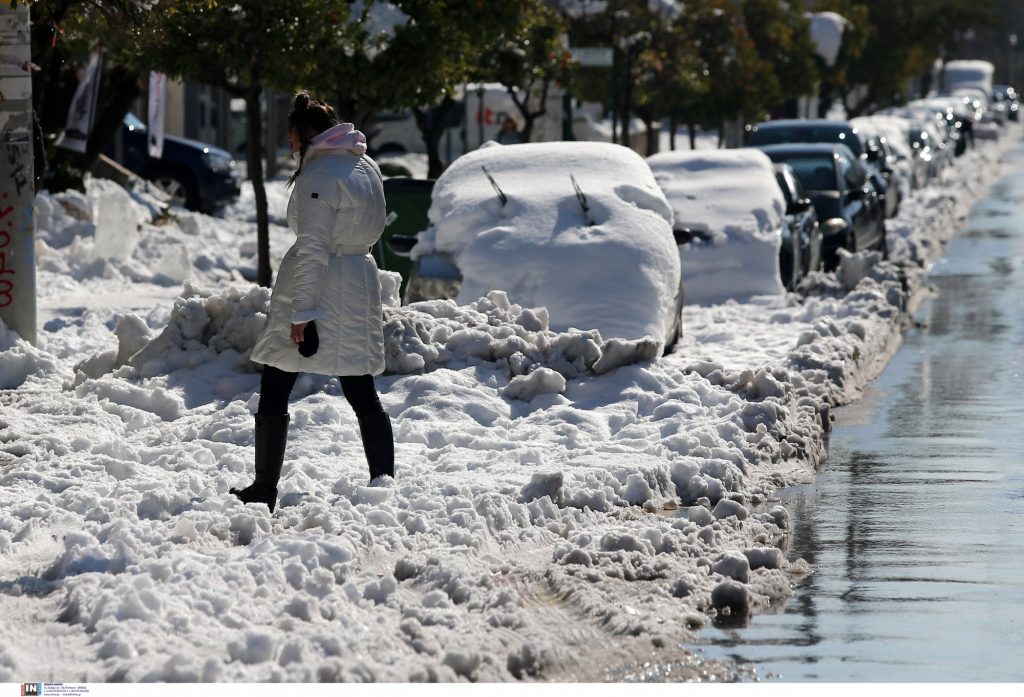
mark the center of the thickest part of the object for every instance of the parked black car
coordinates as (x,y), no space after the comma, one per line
(881,159)
(842,193)
(1006,97)
(195,175)
(831,131)
(801,238)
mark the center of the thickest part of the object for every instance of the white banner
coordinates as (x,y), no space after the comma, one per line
(157,109)
(83,107)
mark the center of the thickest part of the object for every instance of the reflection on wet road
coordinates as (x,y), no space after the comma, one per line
(916,528)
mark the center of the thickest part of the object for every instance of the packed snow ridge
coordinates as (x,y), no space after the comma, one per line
(565,503)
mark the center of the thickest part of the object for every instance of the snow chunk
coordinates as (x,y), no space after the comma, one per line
(764,558)
(117,220)
(727,508)
(543,484)
(541,381)
(258,646)
(731,597)
(734,565)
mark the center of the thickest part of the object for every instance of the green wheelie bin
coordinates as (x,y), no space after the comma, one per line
(408,201)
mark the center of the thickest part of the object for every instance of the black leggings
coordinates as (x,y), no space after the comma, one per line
(276,386)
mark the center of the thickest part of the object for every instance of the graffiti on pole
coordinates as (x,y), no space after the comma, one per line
(17,229)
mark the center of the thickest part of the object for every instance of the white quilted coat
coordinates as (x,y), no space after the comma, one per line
(337,213)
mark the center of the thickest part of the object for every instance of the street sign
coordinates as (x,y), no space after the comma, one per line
(593,57)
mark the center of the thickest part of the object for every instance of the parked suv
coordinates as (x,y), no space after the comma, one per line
(195,175)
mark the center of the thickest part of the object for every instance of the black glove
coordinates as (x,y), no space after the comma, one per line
(310,340)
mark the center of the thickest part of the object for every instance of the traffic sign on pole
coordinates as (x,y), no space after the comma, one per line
(593,57)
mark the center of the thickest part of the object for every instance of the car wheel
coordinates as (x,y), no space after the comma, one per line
(180,188)
(390,150)
(677,325)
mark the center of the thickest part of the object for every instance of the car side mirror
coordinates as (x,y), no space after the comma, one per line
(800,206)
(402,244)
(686,235)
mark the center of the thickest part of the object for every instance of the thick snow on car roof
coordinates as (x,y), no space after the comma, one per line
(732,196)
(613,267)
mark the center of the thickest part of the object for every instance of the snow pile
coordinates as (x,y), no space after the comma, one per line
(438,333)
(604,261)
(23,364)
(731,199)
(827,30)
(204,324)
(108,233)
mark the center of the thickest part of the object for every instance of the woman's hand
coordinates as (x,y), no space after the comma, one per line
(298,332)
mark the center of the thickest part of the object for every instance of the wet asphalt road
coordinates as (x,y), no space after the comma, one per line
(916,527)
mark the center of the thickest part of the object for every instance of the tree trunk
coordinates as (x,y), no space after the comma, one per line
(431,125)
(824,99)
(530,117)
(271,130)
(652,145)
(673,123)
(627,99)
(254,160)
(692,129)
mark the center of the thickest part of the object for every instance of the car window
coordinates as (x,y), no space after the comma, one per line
(852,173)
(798,189)
(815,173)
(807,134)
(784,183)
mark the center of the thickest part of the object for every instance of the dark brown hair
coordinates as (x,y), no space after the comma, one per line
(308,118)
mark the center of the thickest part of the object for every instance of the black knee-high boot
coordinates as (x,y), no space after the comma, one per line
(378,443)
(271,438)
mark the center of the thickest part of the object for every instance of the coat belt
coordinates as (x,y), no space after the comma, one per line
(350,250)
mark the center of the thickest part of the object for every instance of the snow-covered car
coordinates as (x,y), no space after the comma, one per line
(580,228)
(729,206)
(892,135)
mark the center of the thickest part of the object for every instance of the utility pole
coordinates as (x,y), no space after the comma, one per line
(17,188)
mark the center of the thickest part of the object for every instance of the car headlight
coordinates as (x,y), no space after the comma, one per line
(833,226)
(218,162)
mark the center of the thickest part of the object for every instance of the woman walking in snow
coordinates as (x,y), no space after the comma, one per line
(325,311)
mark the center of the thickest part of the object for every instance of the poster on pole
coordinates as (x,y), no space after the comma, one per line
(156,111)
(83,107)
